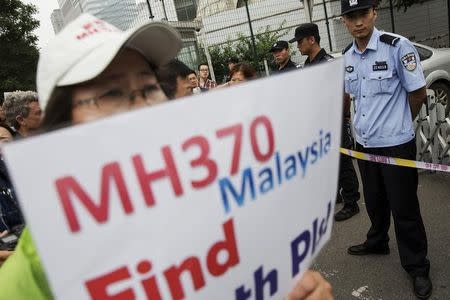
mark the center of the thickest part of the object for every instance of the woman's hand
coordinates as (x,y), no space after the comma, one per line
(312,286)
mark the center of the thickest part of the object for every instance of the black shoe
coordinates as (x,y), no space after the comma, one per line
(362,249)
(348,211)
(422,287)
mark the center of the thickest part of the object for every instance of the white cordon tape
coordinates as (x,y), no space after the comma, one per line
(395,161)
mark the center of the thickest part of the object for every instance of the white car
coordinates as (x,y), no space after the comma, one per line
(436,67)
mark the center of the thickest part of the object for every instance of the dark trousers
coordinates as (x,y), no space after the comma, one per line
(394,189)
(348,185)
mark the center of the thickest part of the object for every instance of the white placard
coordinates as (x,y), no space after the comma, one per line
(225,195)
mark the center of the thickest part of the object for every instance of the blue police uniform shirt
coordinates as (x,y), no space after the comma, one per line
(380,79)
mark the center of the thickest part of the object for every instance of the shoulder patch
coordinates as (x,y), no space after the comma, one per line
(348,47)
(389,39)
(409,61)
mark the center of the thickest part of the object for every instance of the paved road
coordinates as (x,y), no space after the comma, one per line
(382,277)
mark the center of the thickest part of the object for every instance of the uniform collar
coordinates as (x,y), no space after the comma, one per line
(317,58)
(287,65)
(373,42)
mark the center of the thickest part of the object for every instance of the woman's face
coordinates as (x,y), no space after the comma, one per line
(127,83)
(237,77)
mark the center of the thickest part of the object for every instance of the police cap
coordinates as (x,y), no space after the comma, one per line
(348,6)
(280,45)
(305,30)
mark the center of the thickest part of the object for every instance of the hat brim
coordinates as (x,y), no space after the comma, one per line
(157,42)
(296,39)
(276,49)
(356,8)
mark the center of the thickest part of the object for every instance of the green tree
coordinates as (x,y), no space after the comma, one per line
(242,49)
(403,4)
(18,51)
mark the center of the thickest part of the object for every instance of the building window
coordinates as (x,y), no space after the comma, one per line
(186,9)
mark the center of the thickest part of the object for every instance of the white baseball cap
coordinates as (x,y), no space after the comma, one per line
(86,46)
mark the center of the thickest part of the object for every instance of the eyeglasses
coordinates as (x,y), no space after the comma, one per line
(117,99)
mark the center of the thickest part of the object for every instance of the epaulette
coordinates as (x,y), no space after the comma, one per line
(348,47)
(389,39)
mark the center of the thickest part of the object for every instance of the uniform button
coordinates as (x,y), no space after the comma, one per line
(363,57)
(364,133)
(364,115)
(364,77)
(364,96)
(379,77)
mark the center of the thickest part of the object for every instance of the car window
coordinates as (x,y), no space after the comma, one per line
(424,54)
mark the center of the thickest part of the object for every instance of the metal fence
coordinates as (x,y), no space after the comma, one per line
(217,26)
(433,132)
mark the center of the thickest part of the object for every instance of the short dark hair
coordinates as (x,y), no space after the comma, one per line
(202,64)
(246,69)
(317,38)
(168,74)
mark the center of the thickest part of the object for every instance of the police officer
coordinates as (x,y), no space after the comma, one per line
(308,43)
(280,52)
(384,74)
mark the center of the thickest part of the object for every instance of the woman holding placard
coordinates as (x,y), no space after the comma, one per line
(92,70)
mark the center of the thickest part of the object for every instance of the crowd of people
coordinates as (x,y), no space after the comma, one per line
(383,75)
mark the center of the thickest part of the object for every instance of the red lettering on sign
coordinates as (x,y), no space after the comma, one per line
(236,131)
(98,287)
(146,178)
(202,161)
(68,185)
(229,245)
(173,274)
(265,122)
(150,285)
(190,267)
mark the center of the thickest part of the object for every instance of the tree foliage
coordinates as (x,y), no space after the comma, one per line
(402,4)
(242,49)
(18,51)
(405,4)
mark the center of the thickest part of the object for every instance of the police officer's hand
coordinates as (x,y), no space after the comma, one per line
(312,286)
